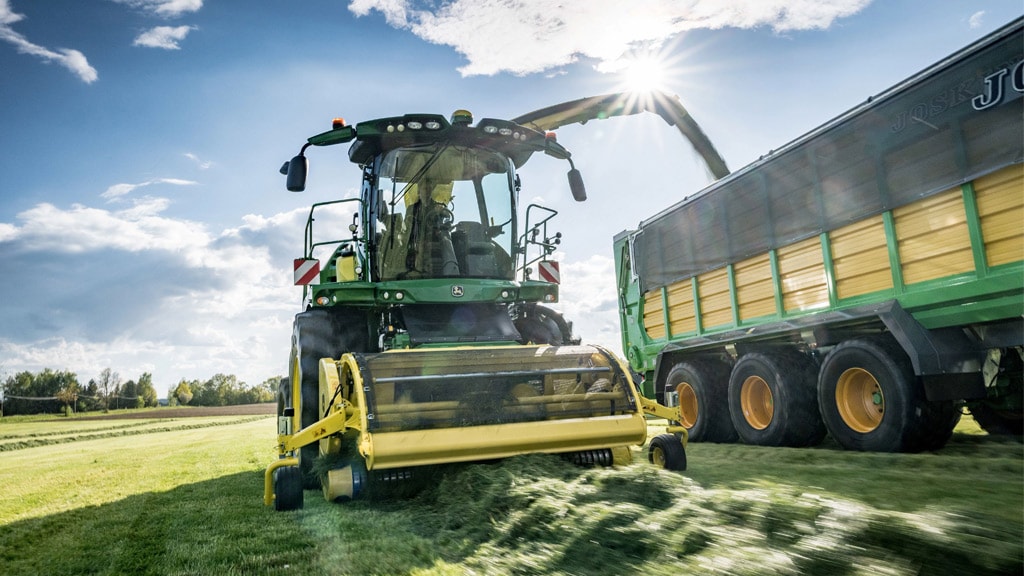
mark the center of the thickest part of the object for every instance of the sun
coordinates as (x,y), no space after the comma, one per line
(644,73)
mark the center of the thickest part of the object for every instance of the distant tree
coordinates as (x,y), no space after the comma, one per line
(16,389)
(27,393)
(129,394)
(227,390)
(109,382)
(267,390)
(146,391)
(89,398)
(68,396)
(183,392)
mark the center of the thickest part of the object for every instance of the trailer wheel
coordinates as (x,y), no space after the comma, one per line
(667,451)
(870,399)
(700,388)
(287,488)
(773,399)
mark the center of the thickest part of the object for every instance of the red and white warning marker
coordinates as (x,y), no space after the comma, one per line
(307,271)
(548,271)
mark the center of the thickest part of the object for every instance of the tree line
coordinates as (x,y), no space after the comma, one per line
(49,392)
(223,390)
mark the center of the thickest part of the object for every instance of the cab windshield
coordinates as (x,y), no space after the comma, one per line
(449,214)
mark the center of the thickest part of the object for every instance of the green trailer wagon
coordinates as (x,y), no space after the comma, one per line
(865,280)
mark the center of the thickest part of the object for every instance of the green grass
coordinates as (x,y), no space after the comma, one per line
(189,501)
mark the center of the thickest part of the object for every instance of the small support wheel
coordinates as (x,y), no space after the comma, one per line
(287,488)
(666,451)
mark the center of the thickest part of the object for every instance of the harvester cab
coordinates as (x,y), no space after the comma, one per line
(425,338)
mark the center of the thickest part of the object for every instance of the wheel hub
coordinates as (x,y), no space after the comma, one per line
(688,407)
(757,402)
(860,400)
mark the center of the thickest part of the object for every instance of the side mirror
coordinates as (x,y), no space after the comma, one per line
(297,168)
(579,191)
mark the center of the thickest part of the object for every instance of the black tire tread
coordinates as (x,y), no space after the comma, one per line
(792,377)
(672,448)
(288,493)
(710,380)
(321,333)
(921,425)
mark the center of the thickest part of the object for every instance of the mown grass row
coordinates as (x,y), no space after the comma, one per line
(42,439)
(189,502)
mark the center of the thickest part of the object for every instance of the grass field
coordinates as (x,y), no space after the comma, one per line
(184,496)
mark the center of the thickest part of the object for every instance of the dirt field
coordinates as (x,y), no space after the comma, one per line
(189,411)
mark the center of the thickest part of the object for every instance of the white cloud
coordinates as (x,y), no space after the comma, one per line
(976,19)
(203,164)
(147,292)
(73,60)
(166,8)
(527,36)
(7,231)
(118,190)
(7,15)
(165,37)
(588,300)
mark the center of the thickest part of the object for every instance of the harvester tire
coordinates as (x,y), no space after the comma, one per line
(667,451)
(320,333)
(702,393)
(773,399)
(284,395)
(871,399)
(542,325)
(287,488)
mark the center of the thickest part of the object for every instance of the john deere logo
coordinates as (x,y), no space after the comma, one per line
(457,291)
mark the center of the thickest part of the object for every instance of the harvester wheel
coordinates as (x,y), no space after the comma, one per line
(871,400)
(773,399)
(542,325)
(287,488)
(319,333)
(284,395)
(701,390)
(667,451)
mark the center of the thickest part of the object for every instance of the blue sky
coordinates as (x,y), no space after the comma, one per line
(144,226)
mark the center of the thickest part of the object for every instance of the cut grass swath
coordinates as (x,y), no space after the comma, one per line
(189,502)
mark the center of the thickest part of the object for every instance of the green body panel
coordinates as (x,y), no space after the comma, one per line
(993,294)
(434,291)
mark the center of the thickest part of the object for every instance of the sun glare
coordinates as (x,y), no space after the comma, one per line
(644,74)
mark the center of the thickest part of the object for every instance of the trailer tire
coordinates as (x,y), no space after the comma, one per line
(939,420)
(288,488)
(701,390)
(871,399)
(773,399)
(667,451)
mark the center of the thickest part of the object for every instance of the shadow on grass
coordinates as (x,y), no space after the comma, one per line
(218,526)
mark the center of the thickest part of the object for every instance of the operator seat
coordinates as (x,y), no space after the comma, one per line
(475,252)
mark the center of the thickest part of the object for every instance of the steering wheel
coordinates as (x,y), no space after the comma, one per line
(440,217)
